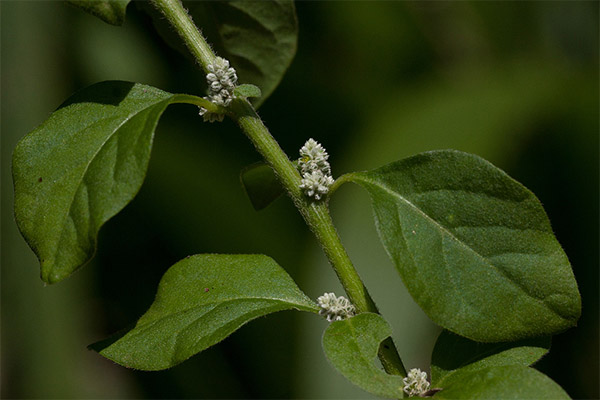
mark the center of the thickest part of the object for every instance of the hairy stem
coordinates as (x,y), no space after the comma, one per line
(315,214)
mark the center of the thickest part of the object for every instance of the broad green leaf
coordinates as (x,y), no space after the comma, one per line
(109,11)
(81,167)
(261,185)
(247,90)
(258,37)
(351,345)
(453,353)
(501,383)
(200,301)
(474,247)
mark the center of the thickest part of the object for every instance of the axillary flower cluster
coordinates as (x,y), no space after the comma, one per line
(416,383)
(316,171)
(335,308)
(221,80)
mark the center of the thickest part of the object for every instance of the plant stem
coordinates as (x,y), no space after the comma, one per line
(186,29)
(315,213)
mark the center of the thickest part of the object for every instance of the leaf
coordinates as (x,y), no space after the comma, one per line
(502,382)
(261,185)
(474,247)
(453,353)
(247,90)
(109,11)
(200,301)
(259,38)
(81,167)
(351,346)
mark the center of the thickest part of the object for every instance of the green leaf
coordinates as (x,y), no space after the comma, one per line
(474,247)
(453,353)
(258,37)
(503,382)
(261,185)
(200,301)
(109,11)
(247,90)
(82,166)
(351,346)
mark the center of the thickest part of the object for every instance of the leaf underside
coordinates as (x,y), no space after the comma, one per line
(499,383)
(81,167)
(109,11)
(261,185)
(473,246)
(200,301)
(351,346)
(453,353)
(259,38)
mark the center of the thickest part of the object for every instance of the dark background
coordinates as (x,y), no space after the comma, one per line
(514,82)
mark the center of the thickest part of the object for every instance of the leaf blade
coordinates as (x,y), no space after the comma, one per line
(501,382)
(200,301)
(110,11)
(82,166)
(259,38)
(351,347)
(470,243)
(261,185)
(453,353)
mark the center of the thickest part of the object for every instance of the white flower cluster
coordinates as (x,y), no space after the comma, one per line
(415,384)
(316,171)
(221,81)
(335,308)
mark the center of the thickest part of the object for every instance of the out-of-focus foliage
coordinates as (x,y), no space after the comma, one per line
(514,82)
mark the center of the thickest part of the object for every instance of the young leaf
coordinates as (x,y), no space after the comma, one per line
(258,37)
(453,353)
(81,167)
(200,301)
(351,346)
(109,11)
(473,246)
(261,185)
(501,383)
(247,90)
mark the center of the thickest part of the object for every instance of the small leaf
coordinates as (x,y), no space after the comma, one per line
(82,166)
(200,301)
(258,37)
(247,90)
(109,11)
(453,353)
(351,346)
(261,185)
(473,246)
(500,383)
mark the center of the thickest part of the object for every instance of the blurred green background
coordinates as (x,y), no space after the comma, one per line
(514,82)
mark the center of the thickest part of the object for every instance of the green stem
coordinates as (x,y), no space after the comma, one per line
(315,213)
(186,29)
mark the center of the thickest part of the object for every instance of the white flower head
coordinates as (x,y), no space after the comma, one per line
(221,80)
(316,184)
(415,383)
(314,157)
(335,308)
(316,171)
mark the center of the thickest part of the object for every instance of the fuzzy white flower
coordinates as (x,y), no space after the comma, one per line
(316,171)
(313,157)
(221,80)
(335,308)
(316,184)
(415,384)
